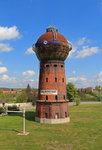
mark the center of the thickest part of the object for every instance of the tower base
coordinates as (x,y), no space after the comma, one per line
(52,112)
(52,121)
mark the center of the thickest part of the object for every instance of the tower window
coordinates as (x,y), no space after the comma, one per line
(65,114)
(55,79)
(62,79)
(46,97)
(46,115)
(47,66)
(38,114)
(55,65)
(61,66)
(46,79)
(56,98)
(64,97)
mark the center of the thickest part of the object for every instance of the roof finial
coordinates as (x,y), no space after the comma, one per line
(51,28)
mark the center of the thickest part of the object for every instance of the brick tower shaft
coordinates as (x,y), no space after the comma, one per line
(52,77)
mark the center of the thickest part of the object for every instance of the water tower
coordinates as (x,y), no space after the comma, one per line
(52,49)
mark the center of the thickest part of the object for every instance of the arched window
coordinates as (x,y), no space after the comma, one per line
(62,79)
(64,97)
(46,79)
(55,79)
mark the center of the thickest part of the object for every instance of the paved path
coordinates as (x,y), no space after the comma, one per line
(82,103)
(70,103)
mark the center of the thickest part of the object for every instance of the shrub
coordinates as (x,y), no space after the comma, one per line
(13,108)
(89,99)
(77,101)
(2,110)
(71,91)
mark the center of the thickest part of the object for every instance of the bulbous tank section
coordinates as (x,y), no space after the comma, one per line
(52,45)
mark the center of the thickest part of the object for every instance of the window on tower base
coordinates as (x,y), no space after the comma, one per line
(46,97)
(56,97)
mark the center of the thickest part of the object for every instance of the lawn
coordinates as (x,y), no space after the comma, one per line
(84,132)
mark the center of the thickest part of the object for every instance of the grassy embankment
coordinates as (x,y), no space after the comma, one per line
(84,132)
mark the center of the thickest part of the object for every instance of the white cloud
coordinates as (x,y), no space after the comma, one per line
(74,79)
(28,73)
(100,74)
(3,70)
(83,82)
(9,33)
(81,41)
(5,47)
(74,72)
(29,51)
(87,51)
(13,82)
(5,77)
(71,53)
(0,62)
(99,78)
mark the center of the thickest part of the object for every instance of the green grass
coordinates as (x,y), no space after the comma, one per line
(84,132)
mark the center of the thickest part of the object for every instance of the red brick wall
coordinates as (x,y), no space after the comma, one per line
(51,109)
(51,73)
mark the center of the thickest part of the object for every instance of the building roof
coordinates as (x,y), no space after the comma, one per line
(49,36)
(1,102)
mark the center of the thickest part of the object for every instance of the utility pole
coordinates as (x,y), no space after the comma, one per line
(23,133)
(24,120)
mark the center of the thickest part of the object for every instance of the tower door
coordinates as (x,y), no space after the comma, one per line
(56,116)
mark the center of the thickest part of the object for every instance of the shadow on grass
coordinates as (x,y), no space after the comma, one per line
(29,115)
(9,130)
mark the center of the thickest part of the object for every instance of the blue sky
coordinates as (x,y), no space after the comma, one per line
(23,21)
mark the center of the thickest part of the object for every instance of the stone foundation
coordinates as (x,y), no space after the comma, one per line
(52,121)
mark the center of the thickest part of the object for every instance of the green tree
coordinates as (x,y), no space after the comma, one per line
(29,93)
(98,88)
(2,97)
(1,91)
(71,91)
(21,97)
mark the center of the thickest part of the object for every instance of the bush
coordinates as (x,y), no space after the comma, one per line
(71,91)
(13,108)
(77,101)
(89,99)
(2,110)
